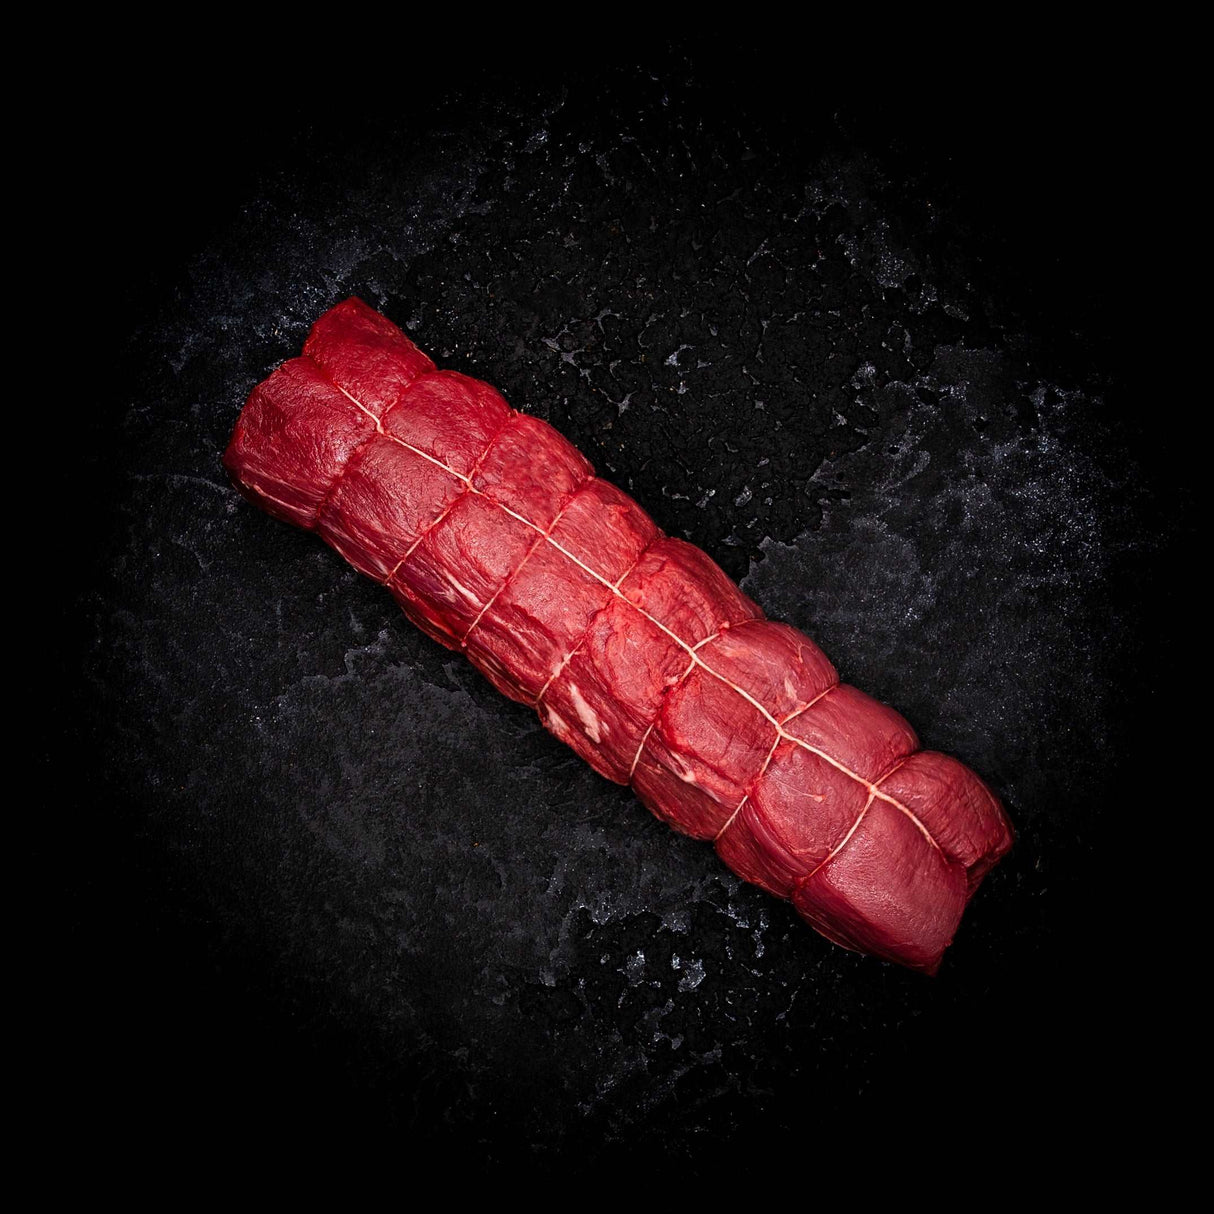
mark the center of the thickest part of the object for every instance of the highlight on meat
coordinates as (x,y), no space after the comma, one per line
(635,648)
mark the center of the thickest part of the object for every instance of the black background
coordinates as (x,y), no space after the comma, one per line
(276,925)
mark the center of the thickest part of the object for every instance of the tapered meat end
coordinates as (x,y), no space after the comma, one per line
(293,439)
(365,355)
(887,891)
(962,814)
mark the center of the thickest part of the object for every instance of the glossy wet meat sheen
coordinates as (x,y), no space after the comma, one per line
(497,539)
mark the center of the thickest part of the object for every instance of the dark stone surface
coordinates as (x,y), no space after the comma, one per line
(328,883)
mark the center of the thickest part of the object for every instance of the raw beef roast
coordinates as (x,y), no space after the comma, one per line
(497,539)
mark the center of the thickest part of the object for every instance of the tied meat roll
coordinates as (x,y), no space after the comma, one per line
(497,539)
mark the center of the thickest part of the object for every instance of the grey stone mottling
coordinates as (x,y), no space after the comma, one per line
(789,353)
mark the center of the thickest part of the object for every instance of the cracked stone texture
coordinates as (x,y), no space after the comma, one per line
(351,887)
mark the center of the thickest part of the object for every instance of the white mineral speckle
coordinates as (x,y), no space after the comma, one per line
(634,967)
(693,974)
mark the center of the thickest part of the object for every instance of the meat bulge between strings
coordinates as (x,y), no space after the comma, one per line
(498,540)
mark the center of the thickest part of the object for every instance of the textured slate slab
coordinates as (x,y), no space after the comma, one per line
(347,886)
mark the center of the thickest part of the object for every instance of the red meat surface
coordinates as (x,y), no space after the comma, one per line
(497,539)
